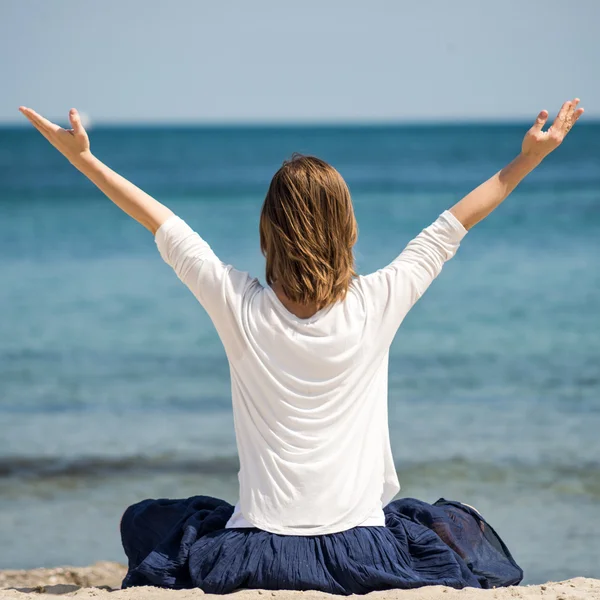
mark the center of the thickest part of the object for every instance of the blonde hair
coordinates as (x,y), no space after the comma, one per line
(307,232)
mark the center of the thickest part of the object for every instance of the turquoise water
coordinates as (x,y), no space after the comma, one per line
(114,386)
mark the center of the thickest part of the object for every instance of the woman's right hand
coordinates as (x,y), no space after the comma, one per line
(74,143)
(537,144)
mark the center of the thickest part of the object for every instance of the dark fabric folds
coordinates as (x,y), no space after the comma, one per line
(184,544)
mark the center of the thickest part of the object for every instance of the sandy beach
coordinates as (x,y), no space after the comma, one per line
(102,581)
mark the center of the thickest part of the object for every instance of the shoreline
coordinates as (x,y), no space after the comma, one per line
(102,582)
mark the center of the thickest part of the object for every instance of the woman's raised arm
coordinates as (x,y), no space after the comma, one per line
(74,144)
(537,144)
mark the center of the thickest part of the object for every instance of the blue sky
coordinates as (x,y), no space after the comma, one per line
(310,60)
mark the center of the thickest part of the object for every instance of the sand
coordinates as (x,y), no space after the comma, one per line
(101,582)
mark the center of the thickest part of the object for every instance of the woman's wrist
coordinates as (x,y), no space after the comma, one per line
(516,171)
(84,161)
(529,160)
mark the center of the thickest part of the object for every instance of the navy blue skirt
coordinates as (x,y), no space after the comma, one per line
(184,544)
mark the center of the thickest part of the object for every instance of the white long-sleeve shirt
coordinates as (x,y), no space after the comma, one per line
(310,395)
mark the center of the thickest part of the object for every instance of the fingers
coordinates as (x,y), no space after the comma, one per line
(571,112)
(572,116)
(567,116)
(577,114)
(45,133)
(540,121)
(41,129)
(75,120)
(561,117)
(40,122)
(565,119)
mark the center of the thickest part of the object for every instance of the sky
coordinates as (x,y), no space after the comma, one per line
(264,61)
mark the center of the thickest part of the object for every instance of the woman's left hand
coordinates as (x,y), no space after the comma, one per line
(537,144)
(73,143)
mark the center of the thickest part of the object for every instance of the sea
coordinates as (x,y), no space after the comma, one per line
(114,386)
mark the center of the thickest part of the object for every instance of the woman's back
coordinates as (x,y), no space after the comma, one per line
(310,395)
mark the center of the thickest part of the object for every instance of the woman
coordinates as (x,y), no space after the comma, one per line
(308,357)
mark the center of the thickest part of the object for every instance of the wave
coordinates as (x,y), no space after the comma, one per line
(578,478)
(45,467)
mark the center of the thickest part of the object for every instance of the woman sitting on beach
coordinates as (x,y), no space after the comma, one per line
(308,358)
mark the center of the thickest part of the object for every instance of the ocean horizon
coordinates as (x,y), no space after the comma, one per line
(19,122)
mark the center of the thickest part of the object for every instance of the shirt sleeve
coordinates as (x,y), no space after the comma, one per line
(218,287)
(392,291)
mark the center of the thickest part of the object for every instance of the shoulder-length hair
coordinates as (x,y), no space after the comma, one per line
(307,232)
